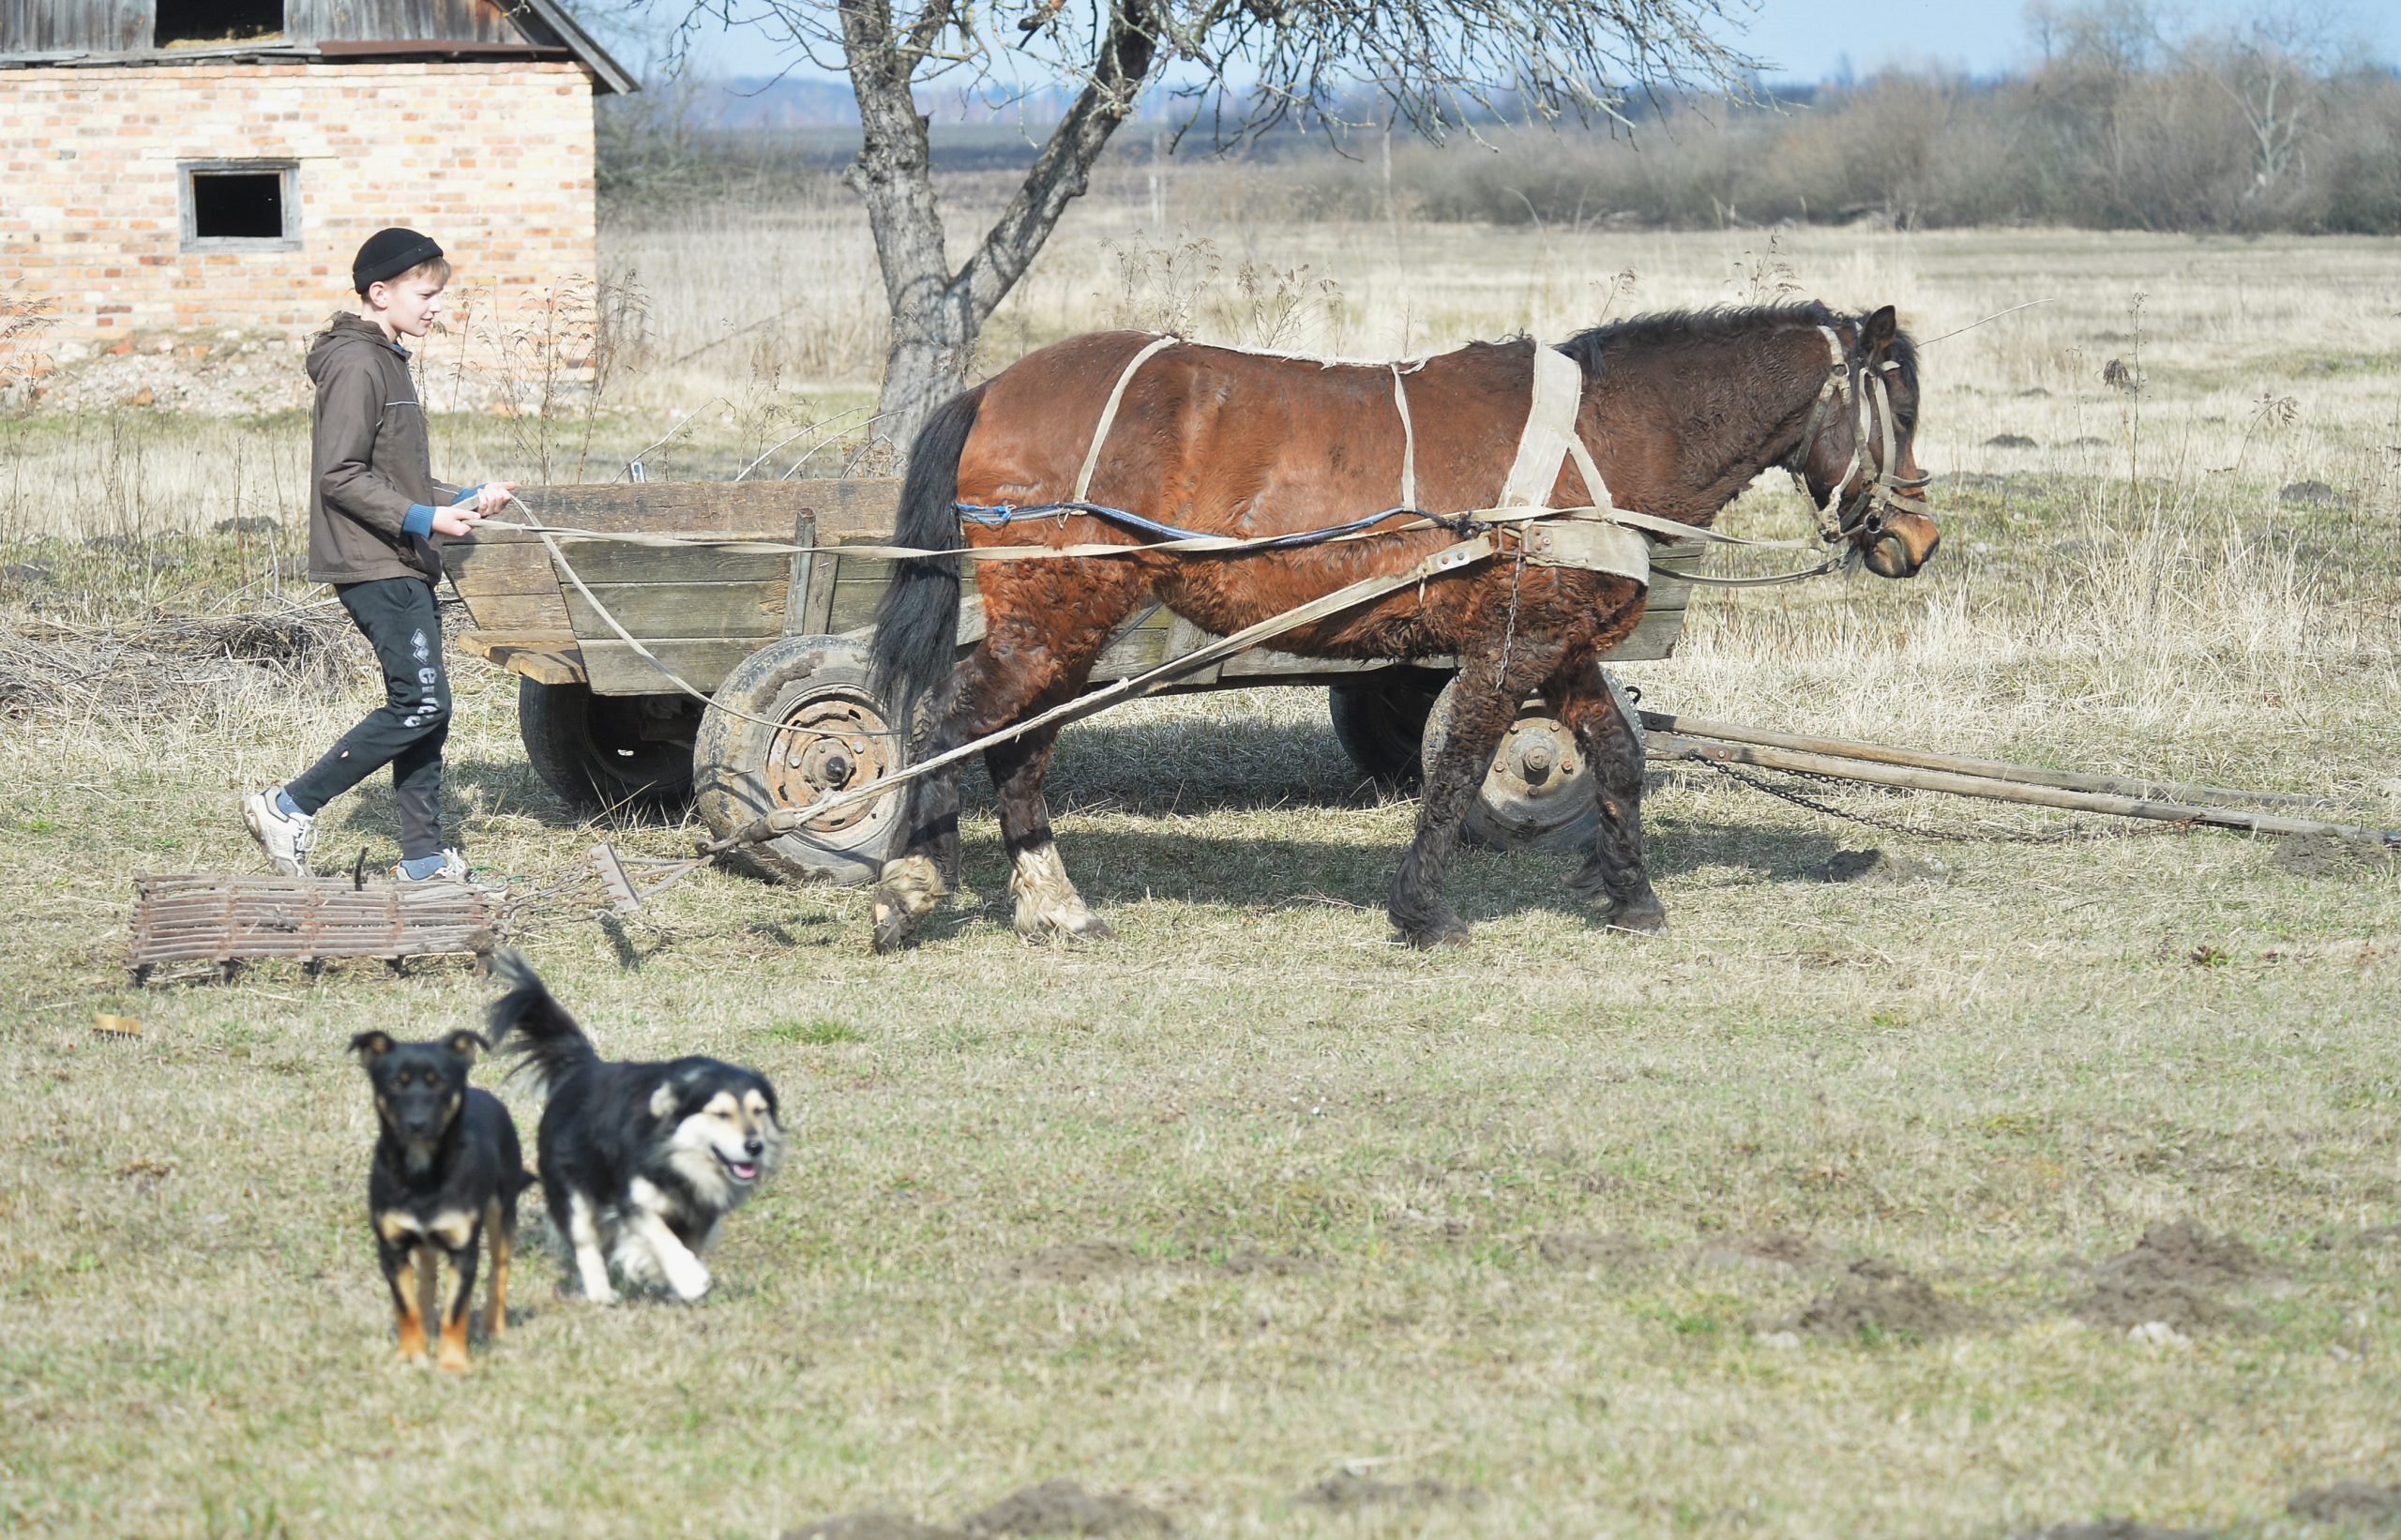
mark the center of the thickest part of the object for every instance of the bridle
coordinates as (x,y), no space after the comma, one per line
(1861,516)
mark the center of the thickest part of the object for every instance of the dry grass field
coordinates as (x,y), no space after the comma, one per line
(1823,1217)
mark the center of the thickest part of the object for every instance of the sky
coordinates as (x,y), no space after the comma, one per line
(1811,40)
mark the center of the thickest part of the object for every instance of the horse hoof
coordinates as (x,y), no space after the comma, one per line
(895,927)
(1446,930)
(1081,926)
(1640,918)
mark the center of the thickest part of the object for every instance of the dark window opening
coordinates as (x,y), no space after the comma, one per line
(197,24)
(229,205)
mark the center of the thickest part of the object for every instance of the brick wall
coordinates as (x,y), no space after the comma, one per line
(494,160)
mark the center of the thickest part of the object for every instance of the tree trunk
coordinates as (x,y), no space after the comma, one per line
(937,314)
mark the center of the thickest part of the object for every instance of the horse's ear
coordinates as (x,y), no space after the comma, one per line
(371,1045)
(1877,332)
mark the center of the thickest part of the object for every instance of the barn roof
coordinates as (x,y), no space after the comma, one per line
(77,33)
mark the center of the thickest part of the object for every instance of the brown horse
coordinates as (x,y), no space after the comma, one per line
(1680,411)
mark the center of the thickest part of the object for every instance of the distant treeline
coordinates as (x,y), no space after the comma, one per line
(2269,125)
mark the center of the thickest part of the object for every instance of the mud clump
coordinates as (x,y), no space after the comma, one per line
(2348,1502)
(1876,1301)
(1061,1507)
(2311,494)
(1881,868)
(2327,855)
(1578,1249)
(1248,1264)
(2110,1529)
(871,1526)
(1072,1261)
(2175,1275)
(1346,1490)
(1055,1507)
(1766,1248)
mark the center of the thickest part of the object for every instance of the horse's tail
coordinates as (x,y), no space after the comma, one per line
(916,623)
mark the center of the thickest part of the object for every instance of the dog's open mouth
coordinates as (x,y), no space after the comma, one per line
(742,1170)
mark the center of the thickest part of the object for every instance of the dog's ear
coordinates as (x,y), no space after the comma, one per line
(371,1045)
(664,1100)
(466,1045)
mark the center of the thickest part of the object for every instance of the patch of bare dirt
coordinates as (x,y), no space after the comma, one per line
(1346,1490)
(2177,1274)
(2110,1529)
(1061,1507)
(1883,868)
(871,1526)
(1072,1261)
(1875,1299)
(2327,855)
(1580,1249)
(1762,1248)
(2348,1502)
(1251,1264)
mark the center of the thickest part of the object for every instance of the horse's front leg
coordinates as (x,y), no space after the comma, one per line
(1602,718)
(1047,904)
(1482,708)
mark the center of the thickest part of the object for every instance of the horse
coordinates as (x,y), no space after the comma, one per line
(1677,412)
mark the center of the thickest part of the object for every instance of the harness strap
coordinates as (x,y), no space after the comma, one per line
(1109,414)
(1407,440)
(1549,438)
(1441,562)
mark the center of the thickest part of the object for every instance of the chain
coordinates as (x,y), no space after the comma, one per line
(1509,636)
(1894,826)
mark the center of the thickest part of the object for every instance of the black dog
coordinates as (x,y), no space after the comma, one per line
(639,1161)
(448,1171)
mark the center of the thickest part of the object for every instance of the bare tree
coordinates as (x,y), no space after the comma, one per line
(1235,68)
(2273,67)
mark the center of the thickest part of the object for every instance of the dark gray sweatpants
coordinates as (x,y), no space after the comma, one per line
(398,619)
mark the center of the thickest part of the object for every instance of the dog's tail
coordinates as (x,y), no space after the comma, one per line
(526,1022)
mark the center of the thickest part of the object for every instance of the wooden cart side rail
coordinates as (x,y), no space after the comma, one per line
(703,608)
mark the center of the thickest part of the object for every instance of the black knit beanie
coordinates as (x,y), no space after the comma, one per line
(388,253)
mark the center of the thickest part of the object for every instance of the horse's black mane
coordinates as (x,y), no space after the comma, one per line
(1718,323)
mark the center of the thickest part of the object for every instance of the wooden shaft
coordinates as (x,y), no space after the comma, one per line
(1675,745)
(2024,775)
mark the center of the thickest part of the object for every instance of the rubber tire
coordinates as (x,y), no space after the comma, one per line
(1381,724)
(586,747)
(728,757)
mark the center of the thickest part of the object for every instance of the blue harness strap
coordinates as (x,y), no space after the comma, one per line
(994,515)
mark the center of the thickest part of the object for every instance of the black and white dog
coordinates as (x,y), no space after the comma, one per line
(639,1161)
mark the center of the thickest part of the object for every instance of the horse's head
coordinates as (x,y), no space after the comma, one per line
(1857,460)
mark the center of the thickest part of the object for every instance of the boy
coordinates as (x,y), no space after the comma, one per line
(372,521)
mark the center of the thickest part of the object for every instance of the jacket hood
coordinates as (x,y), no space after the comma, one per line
(345,330)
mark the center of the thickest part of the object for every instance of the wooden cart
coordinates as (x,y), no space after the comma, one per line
(781,641)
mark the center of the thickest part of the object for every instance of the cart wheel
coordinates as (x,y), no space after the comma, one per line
(1539,791)
(809,723)
(1380,723)
(607,752)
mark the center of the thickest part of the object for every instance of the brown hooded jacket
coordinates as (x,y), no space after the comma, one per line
(372,461)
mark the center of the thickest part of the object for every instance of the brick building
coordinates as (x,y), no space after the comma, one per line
(174,164)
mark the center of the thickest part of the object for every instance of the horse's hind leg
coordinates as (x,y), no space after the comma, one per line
(1048,903)
(1031,658)
(1482,707)
(1602,719)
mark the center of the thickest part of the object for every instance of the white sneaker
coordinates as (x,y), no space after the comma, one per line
(284,836)
(453,869)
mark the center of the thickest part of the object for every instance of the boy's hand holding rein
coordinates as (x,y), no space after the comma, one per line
(474,505)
